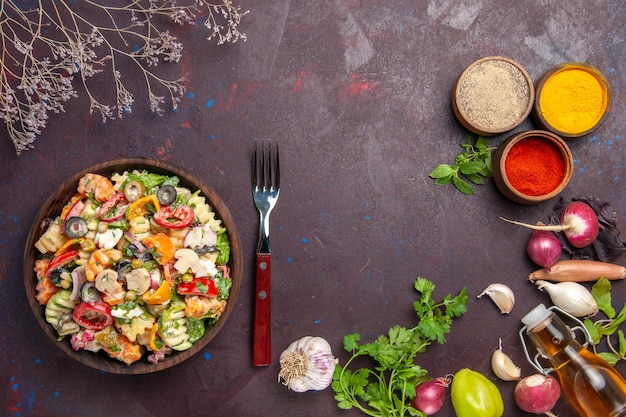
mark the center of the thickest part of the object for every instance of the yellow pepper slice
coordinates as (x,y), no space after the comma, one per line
(152,337)
(163,246)
(160,296)
(87,245)
(140,206)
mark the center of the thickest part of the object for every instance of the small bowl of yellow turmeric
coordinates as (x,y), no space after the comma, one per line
(572,100)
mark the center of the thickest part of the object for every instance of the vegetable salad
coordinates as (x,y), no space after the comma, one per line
(135,265)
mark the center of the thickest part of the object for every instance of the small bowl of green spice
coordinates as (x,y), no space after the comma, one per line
(532,166)
(572,100)
(493,95)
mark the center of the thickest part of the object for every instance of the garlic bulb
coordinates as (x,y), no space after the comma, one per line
(572,297)
(501,295)
(307,364)
(503,366)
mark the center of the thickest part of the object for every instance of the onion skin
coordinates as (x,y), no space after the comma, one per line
(537,393)
(430,395)
(544,248)
(579,270)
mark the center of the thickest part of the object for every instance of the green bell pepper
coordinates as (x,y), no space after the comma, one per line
(473,395)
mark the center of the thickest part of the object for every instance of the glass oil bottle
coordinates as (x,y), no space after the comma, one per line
(592,385)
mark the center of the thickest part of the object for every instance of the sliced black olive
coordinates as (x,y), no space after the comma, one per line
(134,190)
(123,267)
(75,227)
(166,195)
(200,250)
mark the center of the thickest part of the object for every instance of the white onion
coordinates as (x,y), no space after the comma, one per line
(572,297)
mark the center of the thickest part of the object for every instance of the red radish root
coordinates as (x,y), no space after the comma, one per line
(537,394)
(579,223)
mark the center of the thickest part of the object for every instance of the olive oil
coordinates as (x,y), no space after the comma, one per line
(592,385)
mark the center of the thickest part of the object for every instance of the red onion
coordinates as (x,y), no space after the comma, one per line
(544,248)
(537,394)
(430,395)
(140,247)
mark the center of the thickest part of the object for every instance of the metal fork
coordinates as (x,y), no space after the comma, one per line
(265,189)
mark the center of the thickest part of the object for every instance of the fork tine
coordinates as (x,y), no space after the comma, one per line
(267,166)
(276,169)
(255,183)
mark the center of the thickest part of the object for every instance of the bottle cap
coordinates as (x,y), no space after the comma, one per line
(536,316)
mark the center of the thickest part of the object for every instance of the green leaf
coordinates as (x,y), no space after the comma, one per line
(482,144)
(462,186)
(442,171)
(616,322)
(351,342)
(444,180)
(475,178)
(424,287)
(473,167)
(595,331)
(601,292)
(621,343)
(610,357)
(456,306)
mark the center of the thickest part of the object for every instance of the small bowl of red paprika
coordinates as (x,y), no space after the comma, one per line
(532,166)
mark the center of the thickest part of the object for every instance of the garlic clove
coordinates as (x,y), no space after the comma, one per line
(503,366)
(501,295)
(572,297)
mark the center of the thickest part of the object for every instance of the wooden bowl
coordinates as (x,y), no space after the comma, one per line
(502,176)
(493,95)
(52,208)
(566,94)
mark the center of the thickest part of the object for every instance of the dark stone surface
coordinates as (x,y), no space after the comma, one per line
(358,95)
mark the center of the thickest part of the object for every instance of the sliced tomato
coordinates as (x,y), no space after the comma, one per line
(179,218)
(93,316)
(114,208)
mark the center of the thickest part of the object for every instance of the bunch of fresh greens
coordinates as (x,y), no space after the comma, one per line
(387,388)
(473,164)
(606,328)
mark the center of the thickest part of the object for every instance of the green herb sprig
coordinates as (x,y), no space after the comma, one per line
(473,164)
(387,388)
(604,329)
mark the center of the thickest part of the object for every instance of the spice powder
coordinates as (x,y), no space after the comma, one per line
(573,100)
(493,95)
(534,166)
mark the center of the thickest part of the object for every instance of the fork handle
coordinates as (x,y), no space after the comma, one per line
(261,346)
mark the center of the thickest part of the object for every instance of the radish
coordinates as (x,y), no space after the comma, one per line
(430,395)
(579,222)
(537,394)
